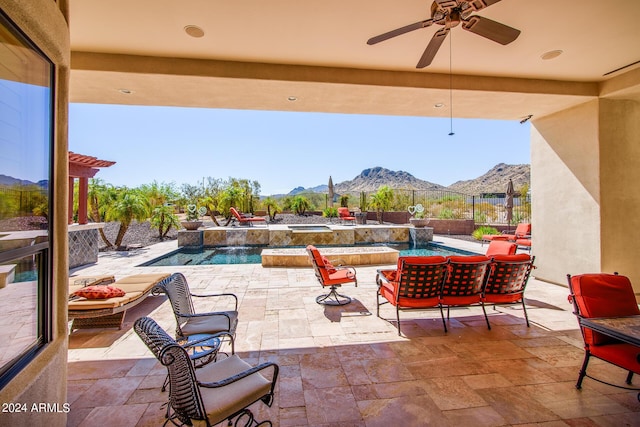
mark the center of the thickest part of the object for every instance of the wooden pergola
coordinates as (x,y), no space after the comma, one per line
(82,167)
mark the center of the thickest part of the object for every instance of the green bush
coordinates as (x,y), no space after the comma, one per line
(330,212)
(481,231)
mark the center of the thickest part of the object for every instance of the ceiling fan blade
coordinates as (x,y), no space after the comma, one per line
(447,4)
(481,4)
(399,31)
(432,47)
(490,29)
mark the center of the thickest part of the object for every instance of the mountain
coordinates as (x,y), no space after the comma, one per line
(371,179)
(496,180)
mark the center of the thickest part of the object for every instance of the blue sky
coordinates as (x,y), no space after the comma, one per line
(283,150)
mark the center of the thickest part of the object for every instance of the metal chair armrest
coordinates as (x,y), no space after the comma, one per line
(244,374)
(218,295)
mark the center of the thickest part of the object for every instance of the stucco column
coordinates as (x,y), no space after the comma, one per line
(70,213)
(83,191)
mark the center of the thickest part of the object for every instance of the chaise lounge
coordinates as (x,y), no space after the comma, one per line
(243,219)
(101,302)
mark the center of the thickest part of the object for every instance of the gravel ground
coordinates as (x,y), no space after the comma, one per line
(142,233)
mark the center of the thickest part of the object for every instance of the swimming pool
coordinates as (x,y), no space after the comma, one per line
(251,254)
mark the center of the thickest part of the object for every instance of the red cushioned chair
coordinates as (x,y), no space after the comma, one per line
(415,284)
(331,276)
(605,295)
(345,216)
(523,231)
(463,283)
(507,280)
(500,247)
(246,220)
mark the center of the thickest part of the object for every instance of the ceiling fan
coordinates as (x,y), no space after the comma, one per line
(450,13)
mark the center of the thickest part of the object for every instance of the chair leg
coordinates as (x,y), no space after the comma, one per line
(333,298)
(444,323)
(629,377)
(398,319)
(486,318)
(583,369)
(524,308)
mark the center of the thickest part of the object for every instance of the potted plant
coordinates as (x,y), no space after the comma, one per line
(194,213)
(417,216)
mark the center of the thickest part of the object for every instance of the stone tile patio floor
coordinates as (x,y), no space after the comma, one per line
(343,366)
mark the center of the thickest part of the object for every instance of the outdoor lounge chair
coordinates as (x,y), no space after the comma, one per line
(523,231)
(101,302)
(243,219)
(604,295)
(188,321)
(415,284)
(507,280)
(213,393)
(345,216)
(331,276)
(464,282)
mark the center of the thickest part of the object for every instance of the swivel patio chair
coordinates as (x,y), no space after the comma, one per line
(605,295)
(188,322)
(214,393)
(507,280)
(415,284)
(331,276)
(463,283)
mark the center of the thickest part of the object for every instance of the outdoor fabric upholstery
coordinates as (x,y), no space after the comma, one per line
(215,392)
(246,220)
(134,286)
(415,284)
(605,295)
(331,276)
(188,321)
(507,279)
(344,215)
(464,280)
(501,247)
(523,231)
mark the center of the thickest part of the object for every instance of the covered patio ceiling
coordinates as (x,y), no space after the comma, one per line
(290,55)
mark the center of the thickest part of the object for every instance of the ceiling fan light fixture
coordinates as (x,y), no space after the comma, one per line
(125,91)
(292,98)
(194,31)
(438,105)
(551,54)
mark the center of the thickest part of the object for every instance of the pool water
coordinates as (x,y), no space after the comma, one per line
(251,255)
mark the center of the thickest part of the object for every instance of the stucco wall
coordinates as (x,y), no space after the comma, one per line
(44,379)
(619,192)
(566,193)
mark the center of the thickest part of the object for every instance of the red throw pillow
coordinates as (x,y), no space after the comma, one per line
(99,292)
(327,264)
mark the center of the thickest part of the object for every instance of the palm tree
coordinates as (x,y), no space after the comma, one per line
(381,201)
(100,197)
(163,217)
(272,207)
(300,204)
(129,206)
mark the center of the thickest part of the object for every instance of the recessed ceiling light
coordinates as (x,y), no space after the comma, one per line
(125,91)
(194,31)
(438,105)
(551,54)
(292,98)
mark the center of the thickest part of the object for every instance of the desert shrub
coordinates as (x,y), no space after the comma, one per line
(481,231)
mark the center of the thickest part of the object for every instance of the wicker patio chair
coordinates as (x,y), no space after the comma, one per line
(464,282)
(188,322)
(214,393)
(507,280)
(415,284)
